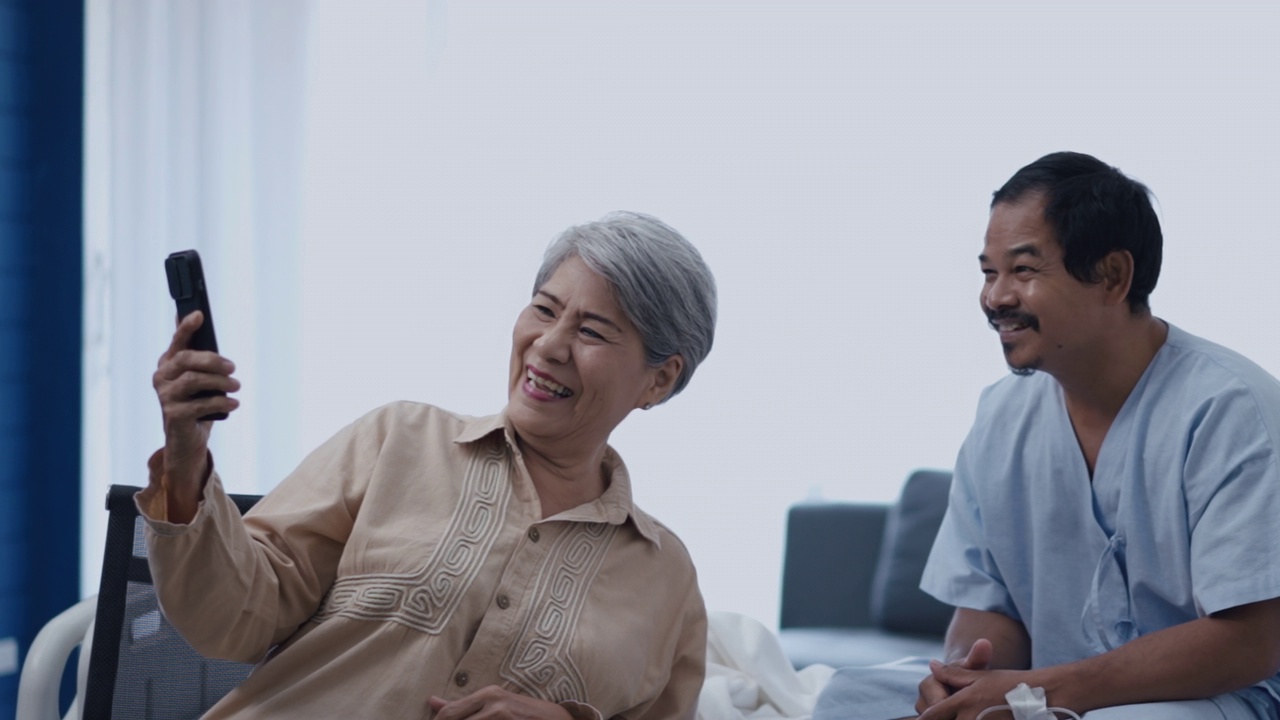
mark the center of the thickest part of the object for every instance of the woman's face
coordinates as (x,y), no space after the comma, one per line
(577,363)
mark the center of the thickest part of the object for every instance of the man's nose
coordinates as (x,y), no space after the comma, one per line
(999,295)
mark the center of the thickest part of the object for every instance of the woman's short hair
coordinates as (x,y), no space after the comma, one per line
(658,277)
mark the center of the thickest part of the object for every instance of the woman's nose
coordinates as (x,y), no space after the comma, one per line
(555,342)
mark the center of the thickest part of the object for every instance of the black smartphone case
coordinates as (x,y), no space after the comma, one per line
(187,287)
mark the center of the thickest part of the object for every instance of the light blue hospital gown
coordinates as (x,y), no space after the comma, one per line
(1181,519)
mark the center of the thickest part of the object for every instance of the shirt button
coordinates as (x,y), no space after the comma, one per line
(461,678)
(533,534)
(504,602)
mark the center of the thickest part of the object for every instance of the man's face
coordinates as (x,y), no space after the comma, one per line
(1043,314)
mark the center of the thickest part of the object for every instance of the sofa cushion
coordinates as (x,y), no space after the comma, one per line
(897,602)
(829,563)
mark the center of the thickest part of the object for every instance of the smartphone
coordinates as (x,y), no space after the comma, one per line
(187,286)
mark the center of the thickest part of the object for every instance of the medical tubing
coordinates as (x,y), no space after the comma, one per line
(996,708)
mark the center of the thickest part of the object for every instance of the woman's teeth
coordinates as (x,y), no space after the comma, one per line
(550,386)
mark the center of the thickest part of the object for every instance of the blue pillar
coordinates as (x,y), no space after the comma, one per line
(41,248)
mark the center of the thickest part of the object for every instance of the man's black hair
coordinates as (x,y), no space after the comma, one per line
(1094,209)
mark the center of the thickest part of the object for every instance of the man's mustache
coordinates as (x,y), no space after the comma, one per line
(1020,318)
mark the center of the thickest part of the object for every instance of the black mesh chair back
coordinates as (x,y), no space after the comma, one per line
(140,668)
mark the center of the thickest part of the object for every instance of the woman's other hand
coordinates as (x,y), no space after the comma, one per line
(494,703)
(180,375)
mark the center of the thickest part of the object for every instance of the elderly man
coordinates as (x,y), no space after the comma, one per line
(1112,535)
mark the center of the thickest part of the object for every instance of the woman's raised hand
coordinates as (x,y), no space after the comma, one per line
(494,703)
(181,374)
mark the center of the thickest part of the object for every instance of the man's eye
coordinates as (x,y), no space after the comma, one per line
(1021,269)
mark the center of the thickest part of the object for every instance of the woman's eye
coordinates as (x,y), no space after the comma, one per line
(544,310)
(592,333)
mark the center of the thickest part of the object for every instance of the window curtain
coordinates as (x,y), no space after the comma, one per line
(41,106)
(194,135)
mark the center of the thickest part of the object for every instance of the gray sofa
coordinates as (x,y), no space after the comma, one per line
(851,576)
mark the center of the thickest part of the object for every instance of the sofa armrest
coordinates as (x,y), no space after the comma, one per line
(829,564)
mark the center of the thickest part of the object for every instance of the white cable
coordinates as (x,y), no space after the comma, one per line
(1054,710)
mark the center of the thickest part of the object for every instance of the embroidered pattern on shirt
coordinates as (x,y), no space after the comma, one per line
(539,663)
(425,600)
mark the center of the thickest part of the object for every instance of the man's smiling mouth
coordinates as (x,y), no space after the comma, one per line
(1012,322)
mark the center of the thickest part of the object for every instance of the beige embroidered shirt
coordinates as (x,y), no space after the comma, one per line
(406,557)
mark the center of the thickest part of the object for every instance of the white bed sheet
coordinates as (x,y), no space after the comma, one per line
(750,678)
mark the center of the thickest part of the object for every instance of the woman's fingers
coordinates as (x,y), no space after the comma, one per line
(192,382)
(461,708)
(190,385)
(494,702)
(194,395)
(173,366)
(187,327)
(205,407)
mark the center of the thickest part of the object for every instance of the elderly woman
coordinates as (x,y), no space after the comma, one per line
(425,563)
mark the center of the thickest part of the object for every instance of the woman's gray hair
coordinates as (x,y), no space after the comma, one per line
(658,277)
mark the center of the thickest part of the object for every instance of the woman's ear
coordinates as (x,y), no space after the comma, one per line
(663,380)
(1116,271)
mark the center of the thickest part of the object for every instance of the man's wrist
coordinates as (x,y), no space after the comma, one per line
(1064,686)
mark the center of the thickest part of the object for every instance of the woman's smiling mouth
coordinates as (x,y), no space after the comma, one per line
(544,384)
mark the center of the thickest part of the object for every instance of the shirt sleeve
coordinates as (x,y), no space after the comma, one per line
(1232,480)
(235,587)
(678,699)
(961,570)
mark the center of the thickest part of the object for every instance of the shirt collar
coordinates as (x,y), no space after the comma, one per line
(613,507)
(475,428)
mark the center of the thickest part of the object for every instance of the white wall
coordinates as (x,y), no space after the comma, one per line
(833,162)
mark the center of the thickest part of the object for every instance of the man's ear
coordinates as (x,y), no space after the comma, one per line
(1116,273)
(664,379)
